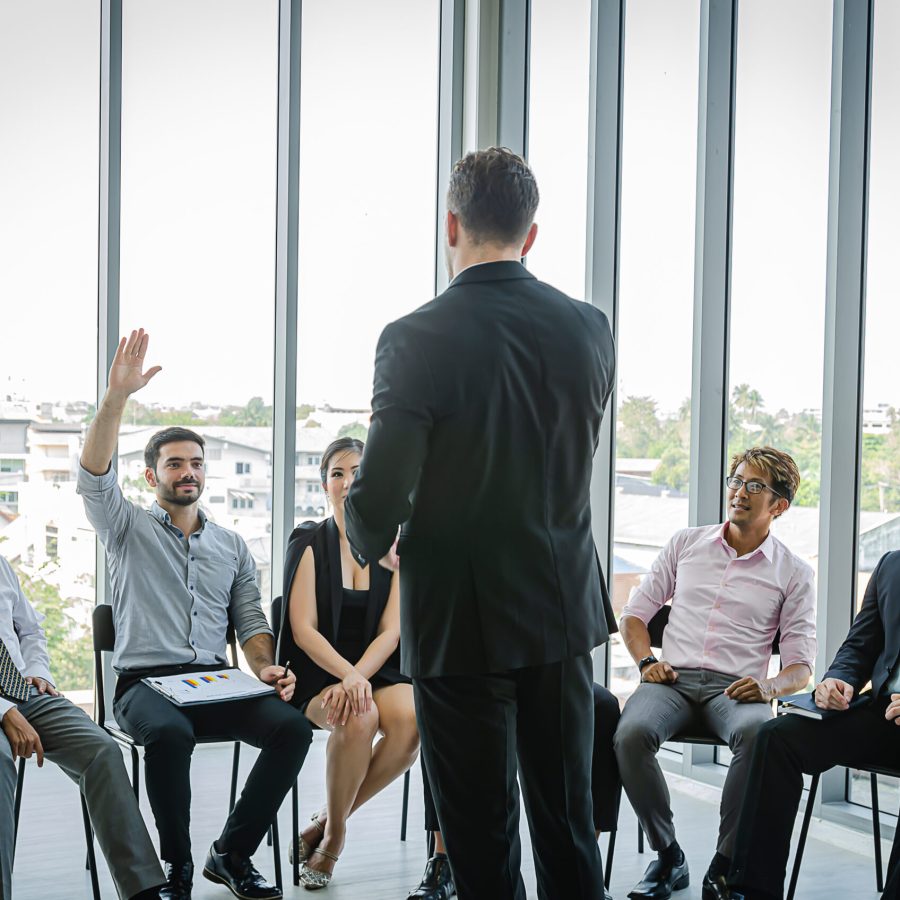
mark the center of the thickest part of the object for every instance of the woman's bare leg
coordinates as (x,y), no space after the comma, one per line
(347,761)
(396,751)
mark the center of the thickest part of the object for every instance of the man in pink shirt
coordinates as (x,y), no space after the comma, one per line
(733,587)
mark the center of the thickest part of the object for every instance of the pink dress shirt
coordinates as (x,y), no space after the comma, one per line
(727,609)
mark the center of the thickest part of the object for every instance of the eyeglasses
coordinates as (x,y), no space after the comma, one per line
(753,487)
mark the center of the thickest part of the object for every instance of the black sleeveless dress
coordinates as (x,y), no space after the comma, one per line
(348,618)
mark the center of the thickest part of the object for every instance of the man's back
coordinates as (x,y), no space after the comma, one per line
(498,568)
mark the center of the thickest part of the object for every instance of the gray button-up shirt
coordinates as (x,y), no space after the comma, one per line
(172,594)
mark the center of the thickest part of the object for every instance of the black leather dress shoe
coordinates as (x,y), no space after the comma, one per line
(179,881)
(660,880)
(239,875)
(437,882)
(715,889)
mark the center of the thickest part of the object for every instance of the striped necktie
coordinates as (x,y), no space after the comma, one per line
(12,684)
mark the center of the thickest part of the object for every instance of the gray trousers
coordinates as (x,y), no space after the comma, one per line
(92,759)
(657,712)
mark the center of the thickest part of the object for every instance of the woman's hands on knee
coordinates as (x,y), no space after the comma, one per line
(359,692)
(336,704)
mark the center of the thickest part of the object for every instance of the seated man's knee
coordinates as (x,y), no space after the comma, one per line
(170,737)
(744,736)
(297,731)
(634,736)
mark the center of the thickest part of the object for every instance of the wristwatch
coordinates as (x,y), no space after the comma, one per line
(646,661)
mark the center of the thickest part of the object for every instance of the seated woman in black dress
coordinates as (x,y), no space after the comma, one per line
(341,633)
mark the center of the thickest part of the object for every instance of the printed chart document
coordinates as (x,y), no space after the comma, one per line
(189,689)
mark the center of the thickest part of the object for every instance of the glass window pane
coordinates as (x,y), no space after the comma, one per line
(368,167)
(199,131)
(659,134)
(558,138)
(780,219)
(879,515)
(49,102)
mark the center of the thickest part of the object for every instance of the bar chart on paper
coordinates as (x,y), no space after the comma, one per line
(208,687)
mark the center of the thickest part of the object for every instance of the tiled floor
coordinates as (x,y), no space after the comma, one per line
(375,865)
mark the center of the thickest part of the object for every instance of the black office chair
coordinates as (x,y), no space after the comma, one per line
(88,831)
(277,612)
(874,772)
(104,641)
(656,626)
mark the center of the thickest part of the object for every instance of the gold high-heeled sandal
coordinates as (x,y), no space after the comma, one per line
(303,850)
(313,879)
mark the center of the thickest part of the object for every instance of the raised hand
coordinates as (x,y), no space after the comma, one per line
(126,374)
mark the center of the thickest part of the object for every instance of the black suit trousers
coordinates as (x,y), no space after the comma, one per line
(478,732)
(168,734)
(785,749)
(606,785)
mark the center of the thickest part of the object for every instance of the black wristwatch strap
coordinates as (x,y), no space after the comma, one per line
(646,661)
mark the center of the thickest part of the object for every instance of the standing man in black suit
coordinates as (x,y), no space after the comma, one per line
(865,735)
(486,414)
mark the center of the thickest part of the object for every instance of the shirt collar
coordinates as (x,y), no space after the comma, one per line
(767,547)
(157,511)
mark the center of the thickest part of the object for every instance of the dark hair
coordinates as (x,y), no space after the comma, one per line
(341,445)
(494,195)
(169,436)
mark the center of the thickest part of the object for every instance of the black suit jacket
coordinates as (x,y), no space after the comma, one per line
(872,646)
(486,414)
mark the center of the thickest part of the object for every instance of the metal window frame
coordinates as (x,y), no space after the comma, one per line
(845,303)
(284,410)
(604,186)
(108,245)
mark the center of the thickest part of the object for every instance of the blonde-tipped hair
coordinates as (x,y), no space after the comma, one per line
(777,465)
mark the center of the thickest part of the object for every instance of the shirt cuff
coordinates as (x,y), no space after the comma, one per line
(88,483)
(644,615)
(243,637)
(5,707)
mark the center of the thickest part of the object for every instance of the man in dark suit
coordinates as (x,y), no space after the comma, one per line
(486,414)
(865,735)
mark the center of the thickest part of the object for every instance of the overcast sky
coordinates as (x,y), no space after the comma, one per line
(198,193)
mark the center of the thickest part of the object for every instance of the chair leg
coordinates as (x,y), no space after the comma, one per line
(269,841)
(876,832)
(136,773)
(610,852)
(640,838)
(295,832)
(405,810)
(430,844)
(276,852)
(234,775)
(17,804)
(91,859)
(804,830)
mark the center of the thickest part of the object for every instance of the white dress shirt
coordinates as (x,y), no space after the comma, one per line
(21,632)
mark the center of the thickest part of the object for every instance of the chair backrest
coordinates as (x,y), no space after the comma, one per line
(276,613)
(657,625)
(104,633)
